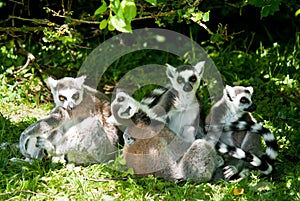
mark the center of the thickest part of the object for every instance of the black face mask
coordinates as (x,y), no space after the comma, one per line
(251,108)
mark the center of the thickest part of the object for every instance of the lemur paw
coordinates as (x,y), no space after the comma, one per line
(44,143)
(128,139)
(229,171)
(244,173)
(59,159)
(220,161)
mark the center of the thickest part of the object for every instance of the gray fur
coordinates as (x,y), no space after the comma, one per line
(83,137)
(179,104)
(158,150)
(28,139)
(231,109)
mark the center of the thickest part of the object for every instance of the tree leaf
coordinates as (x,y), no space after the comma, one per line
(103,24)
(238,191)
(205,16)
(115,5)
(152,2)
(101,9)
(196,17)
(117,22)
(120,24)
(110,26)
(128,9)
(297,12)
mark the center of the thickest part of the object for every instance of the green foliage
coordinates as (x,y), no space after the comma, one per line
(120,15)
(268,7)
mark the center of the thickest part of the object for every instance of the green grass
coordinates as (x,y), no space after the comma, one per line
(274,74)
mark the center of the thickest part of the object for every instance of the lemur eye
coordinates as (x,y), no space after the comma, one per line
(244,100)
(75,96)
(62,98)
(179,79)
(193,78)
(121,99)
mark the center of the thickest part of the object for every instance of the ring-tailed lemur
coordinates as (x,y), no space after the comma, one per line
(231,122)
(83,137)
(179,104)
(156,145)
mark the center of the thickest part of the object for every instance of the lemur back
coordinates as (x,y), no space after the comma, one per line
(87,111)
(231,122)
(157,149)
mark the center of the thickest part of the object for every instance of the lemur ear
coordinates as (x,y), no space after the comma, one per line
(230,92)
(200,67)
(170,71)
(80,80)
(250,89)
(51,82)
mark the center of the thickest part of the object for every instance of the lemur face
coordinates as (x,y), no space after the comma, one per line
(241,97)
(127,105)
(185,79)
(123,108)
(67,92)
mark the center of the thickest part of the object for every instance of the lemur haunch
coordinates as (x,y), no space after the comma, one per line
(231,122)
(81,133)
(157,149)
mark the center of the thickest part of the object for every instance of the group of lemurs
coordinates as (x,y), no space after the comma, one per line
(164,133)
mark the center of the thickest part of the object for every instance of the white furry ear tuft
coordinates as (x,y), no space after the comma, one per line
(51,82)
(170,71)
(230,91)
(200,67)
(250,89)
(119,90)
(80,80)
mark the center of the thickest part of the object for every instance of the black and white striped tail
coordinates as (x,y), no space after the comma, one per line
(154,97)
(271,143)
(263,165)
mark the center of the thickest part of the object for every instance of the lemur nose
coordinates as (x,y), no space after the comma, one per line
(187,87)
(71,106)
(251,108)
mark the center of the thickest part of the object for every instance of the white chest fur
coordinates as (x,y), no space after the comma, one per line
(184,119)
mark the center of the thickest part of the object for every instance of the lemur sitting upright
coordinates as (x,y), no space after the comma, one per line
(231,122)
(179,104)
(76,130)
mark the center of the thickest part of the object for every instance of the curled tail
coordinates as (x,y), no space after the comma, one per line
(154,97)
(28,141)
(263,165)
(271,143)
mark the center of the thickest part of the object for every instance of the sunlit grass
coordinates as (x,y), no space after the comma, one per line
(278,110)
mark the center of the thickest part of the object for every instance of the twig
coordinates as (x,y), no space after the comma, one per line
(206,28)
(21,3)
(39,74)
(17,29)
(78,21)
(105,180)
(30,58)
(34,20)
(26,191)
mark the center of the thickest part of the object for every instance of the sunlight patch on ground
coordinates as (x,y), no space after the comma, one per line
(18,112)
